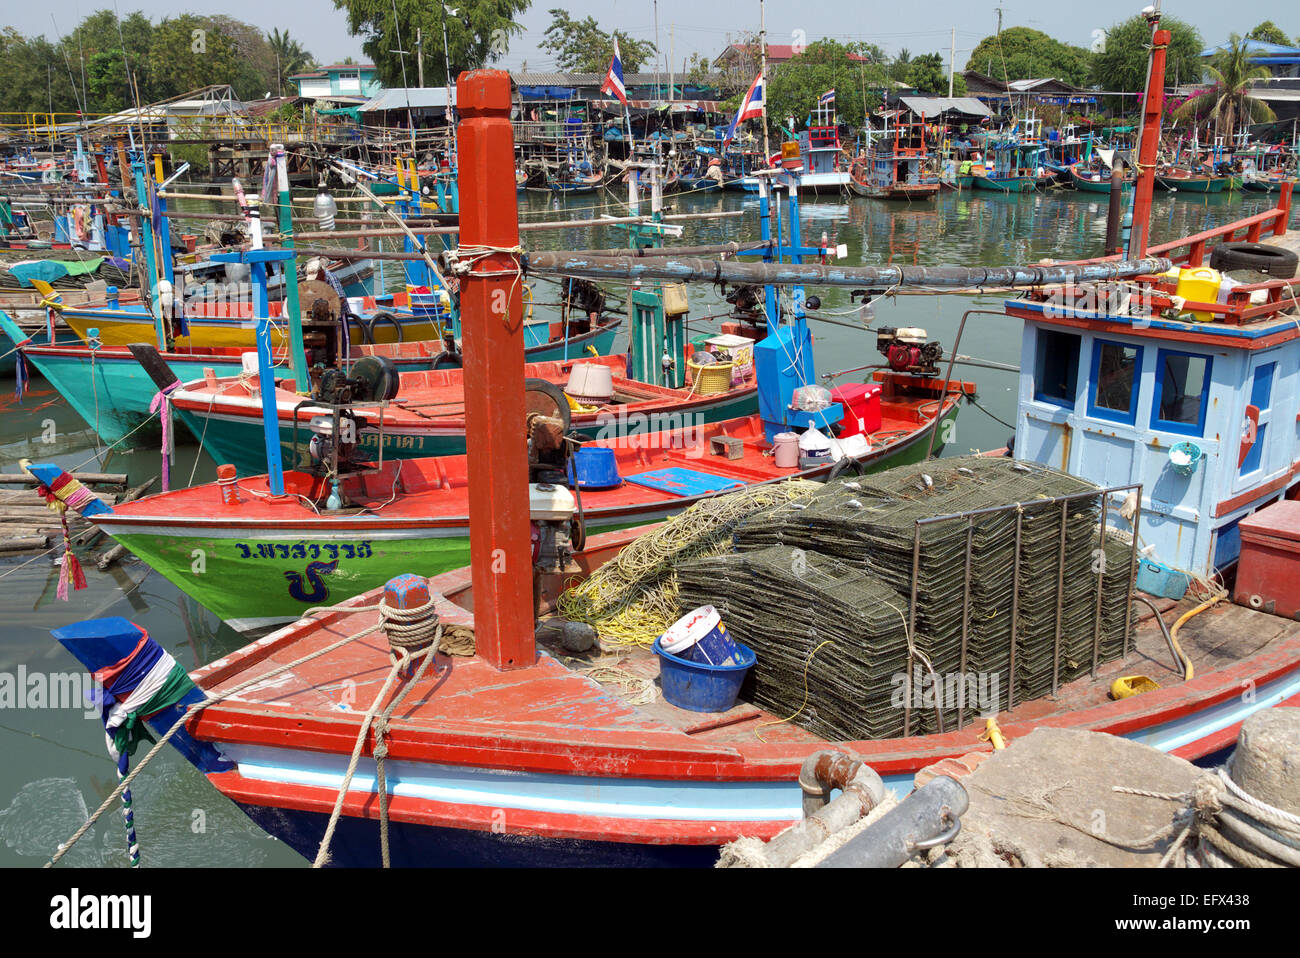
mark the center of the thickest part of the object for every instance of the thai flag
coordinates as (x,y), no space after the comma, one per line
(750,107)
(827,97)
(614,79)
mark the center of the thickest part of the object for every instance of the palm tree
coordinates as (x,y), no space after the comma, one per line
(290,57)
(1232,73)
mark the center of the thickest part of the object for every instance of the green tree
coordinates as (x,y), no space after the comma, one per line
(33,75)
(1121,66)
(928,74)
(478,33)
(290,58)
(1232,73)
(795,86)
(1269,32)
(97,42)
(188,52)
(580,46)
(1020,53)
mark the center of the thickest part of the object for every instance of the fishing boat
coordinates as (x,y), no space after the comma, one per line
(1175,180)
(1097,180)
(1012,160)
(113,393)
(897,164)
(574,179)
(428,417)
(414,513)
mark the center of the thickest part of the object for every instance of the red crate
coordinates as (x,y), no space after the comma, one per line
(861,403)
(1268,572)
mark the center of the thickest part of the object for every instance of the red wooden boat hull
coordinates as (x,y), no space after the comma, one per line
(540,762)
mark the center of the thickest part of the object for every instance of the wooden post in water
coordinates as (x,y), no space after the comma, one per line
(491,316)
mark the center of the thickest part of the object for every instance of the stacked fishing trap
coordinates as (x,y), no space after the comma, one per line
(816,622)
(1001,598)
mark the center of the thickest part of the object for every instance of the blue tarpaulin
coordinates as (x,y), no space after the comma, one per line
(547,92)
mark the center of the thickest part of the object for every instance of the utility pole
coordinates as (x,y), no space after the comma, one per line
(658,92)
(952,55)
(419,55)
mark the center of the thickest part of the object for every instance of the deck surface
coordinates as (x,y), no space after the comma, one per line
(555,701)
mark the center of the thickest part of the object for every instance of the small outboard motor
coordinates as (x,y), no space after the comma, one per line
(906,350)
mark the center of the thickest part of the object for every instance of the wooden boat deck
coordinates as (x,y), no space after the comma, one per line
(436,489)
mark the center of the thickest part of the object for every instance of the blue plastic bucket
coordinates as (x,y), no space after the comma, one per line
(698,686)
(594,467)
(700,636)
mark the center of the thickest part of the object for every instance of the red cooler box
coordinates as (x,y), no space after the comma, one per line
(1268,573)
(861,403)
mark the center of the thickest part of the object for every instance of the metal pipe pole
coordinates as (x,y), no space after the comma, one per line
(688,269)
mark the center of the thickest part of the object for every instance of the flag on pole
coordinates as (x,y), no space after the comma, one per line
(750,107)
(614,79)
(827,97)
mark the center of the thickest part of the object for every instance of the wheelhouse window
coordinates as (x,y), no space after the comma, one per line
(1056,370)
(1182,393)
(1113,388)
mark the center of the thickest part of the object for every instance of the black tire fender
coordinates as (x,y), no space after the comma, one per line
(1276,261)
(843,468)
(383,317)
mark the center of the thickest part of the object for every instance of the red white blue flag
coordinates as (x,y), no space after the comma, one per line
(614,79)
(827,97)
(750,107)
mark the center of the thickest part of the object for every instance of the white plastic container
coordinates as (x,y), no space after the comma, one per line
(591,384)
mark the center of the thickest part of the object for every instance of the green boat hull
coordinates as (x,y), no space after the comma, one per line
(238,440)
(1015,184)
(257,580)
(1177,186)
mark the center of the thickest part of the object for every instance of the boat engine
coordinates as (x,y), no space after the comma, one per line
(372,379)
(555,512)
(906,350)
(325,444)
(747,303)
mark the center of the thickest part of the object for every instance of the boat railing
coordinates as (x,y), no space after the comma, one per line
(970,517)
(1251,229)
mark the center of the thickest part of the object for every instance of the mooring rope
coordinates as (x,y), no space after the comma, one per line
(1217,805)
(412,634)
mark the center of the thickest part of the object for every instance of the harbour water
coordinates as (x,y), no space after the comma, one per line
(56,770)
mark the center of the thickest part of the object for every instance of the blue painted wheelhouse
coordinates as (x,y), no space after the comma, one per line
(1108,395)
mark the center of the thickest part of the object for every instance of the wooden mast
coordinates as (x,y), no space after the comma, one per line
(1149,144)
(491,314)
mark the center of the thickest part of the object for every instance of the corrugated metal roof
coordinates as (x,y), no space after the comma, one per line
(415,98)
(936,105)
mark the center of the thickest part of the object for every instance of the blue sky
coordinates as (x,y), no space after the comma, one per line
(703,28)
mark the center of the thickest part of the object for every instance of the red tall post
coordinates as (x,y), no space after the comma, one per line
(492,325)
(1149,148)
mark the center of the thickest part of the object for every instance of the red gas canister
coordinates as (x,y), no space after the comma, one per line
(861,403)
(1268,573)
